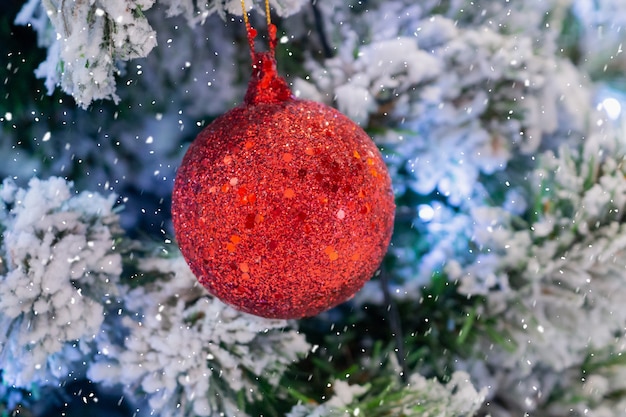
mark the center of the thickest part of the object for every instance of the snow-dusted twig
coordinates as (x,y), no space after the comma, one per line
(58,268)
(419,396)
(189,352)
(88,40)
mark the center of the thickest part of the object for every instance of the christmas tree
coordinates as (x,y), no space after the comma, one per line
(501,127)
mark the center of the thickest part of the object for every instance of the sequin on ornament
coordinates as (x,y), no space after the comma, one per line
(282,207)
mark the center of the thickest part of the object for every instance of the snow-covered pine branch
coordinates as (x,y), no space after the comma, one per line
(419,396)
(88,40)
(58,269)
(85,40)
(483,96)
(187,351)
(553,275)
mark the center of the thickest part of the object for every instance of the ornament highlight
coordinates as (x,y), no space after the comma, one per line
(282,208)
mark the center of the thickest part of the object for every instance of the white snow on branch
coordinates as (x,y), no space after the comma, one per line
(420,396)
(89,38)
(466,100)
(553,276)
(58,267)
(190,353)
(380,72)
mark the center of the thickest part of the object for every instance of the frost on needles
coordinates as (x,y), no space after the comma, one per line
(85,42)
(89,41)
(554,275)
(58,268)
(188,352)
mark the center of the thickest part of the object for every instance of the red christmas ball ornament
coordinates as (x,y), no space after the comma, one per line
(283,208)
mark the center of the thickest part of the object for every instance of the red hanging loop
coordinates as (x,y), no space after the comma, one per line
(265,85)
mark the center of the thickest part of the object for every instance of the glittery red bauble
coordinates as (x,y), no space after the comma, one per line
(283,208)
